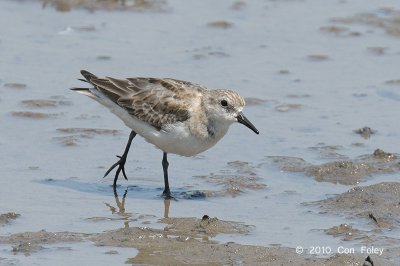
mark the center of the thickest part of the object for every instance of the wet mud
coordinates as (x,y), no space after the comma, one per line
(220,24)
(339,31)
(377,50)
(345,172)
(135,5)
(378,204)
(288,107)
(44,103)
(190,240)
(207,52)
(29,242)
(89,132)
(156,248)
(239,178)
(182,242)
(15,85)
(254,101)
(318,57)
(33,115)
(345,231)
(7,218)
(75,135)
(365,132)
(386,19)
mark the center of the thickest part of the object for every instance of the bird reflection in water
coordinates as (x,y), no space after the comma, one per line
(120,207)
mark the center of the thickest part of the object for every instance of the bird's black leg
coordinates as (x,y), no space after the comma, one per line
(121,161)
(166,192)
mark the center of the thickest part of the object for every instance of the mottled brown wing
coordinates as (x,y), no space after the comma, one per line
(160,101)
(152,100)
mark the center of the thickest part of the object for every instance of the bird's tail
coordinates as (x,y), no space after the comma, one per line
(87,91)
(88,76)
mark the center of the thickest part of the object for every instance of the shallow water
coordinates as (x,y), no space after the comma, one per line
(319,86)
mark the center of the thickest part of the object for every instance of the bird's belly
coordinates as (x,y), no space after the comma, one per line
(187,146)
(175,139)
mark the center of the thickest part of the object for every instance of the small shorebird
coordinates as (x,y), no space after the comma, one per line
(176,116)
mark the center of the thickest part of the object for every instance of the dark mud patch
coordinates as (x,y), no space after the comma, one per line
(220,24)
(393,82)
(89,132)
(238,178)
(329,151)
(254,101)
(386,19)
(377,50)
(199,228)
(379,204)
(76,134)
(15,85)
(7,218)
(373,237)
(207,52)
(189,194)
(33,115)
(318,57)
(345,172)
(288,107)
(44,103)
(30,242)
(284,72)
(68,141)
(238,5)
(365,132)
(103,58)
(339,31)
(298,96)
(134,5)
(86,116)
(345,231)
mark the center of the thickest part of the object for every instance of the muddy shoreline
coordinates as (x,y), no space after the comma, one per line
(180,240)
(187,241)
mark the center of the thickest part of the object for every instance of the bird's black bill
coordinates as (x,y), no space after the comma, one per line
(243,120)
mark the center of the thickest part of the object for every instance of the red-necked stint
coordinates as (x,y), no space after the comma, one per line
(176,116)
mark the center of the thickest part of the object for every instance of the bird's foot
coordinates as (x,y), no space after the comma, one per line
(167,194)
(121,167)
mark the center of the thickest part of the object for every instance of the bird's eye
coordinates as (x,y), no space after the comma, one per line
(224,103)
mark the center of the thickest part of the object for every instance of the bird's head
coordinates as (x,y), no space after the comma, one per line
(226,107)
